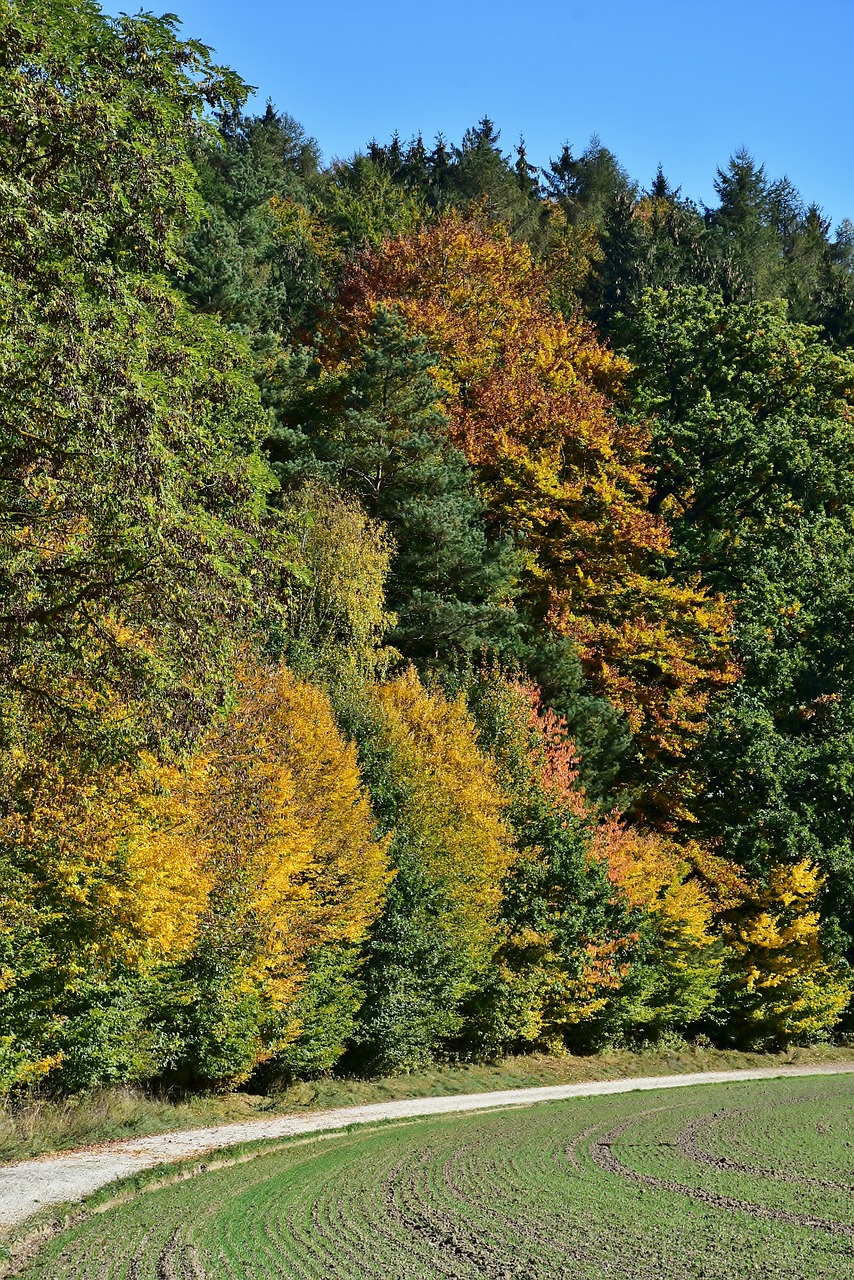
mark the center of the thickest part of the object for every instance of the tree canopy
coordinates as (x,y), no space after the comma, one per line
(426,588)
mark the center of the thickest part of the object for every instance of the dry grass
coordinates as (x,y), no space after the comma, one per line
(37,1125)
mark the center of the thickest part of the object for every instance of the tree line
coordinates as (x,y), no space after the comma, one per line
(427,589)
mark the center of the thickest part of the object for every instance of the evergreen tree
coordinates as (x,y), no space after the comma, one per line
(482,173)
(585,186)
(526,173)
(661,188)
(838,312)
(253,260)
(624,268)
(414,170)
(439,173)
(373,424)
(361,203)
(743,222)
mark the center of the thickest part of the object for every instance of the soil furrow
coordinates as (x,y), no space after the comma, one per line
(601,1152)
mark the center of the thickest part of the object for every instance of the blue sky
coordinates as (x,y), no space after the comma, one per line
(681,83)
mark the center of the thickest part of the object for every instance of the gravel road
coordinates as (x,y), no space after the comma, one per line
(32,1185)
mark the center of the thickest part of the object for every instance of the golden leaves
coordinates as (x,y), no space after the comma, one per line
(455,808)
(284,829)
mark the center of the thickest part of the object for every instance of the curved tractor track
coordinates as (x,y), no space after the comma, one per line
(747,1180)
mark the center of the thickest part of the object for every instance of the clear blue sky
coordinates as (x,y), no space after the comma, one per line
(677,81)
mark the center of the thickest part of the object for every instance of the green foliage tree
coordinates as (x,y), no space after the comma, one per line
(138,554)
(362,203)
(474,173)
(657,241)
(610,933)
(744,223)
(753,465)
(760,242)
(135,511)
(586,186)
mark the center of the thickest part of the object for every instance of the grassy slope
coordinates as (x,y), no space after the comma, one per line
(37,1126)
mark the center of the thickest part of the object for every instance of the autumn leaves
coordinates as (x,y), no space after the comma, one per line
(359,663)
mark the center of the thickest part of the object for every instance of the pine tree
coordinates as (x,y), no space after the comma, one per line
(372,422)
(415,171)
(526,173)
(585,186)
(483,175)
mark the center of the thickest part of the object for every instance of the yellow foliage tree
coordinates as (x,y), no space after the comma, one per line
(335,607)
(96,893)
(679,956)
(439,798)
(282,826)
(454,805)
(781,987)
(225,877)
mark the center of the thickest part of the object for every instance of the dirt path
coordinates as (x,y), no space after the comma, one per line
(32,1185)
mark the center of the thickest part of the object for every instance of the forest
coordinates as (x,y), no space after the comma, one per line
(427,589)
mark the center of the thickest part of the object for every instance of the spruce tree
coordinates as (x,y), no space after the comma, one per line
(248,262)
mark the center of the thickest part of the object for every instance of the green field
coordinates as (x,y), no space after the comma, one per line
(722,1181)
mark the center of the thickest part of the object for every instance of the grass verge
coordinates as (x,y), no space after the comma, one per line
(35,1126)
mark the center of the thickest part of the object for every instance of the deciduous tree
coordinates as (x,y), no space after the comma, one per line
(530,402)
(753,452)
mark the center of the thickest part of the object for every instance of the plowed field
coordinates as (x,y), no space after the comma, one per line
(721,1182)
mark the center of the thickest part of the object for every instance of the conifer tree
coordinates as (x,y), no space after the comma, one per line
(370,420)
(257,270)
(439,799)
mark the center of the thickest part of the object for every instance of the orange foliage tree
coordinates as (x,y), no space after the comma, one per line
(530,397)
